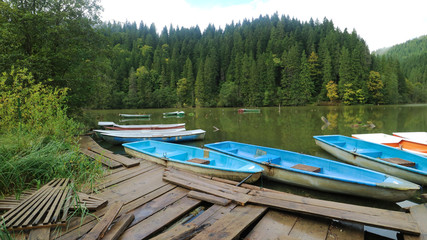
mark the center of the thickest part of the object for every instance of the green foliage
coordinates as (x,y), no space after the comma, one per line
(332,91)
(228,95)
(37,138)
(375,87)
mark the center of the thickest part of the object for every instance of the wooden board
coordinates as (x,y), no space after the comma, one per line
(226,227)
(127,162)
(274,225)
(100,228)
(306,168)
(161,219)
(310,228)
(419,212)
(199,161)
(400,161)
(119,227)
(39,234)
(209,198)
(393,220)
(105,161)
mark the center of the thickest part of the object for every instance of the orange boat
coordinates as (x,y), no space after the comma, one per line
(395,141)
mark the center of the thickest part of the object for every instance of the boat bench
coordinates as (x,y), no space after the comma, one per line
(199,161)
(176,154)
(232,150)
(149,149)
(400,161)
(306,168)
(269,158)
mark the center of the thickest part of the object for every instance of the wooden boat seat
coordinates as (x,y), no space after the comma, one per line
(199,161)
(400,161)
(306,168)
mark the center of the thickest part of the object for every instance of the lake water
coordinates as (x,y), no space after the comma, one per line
(289,128)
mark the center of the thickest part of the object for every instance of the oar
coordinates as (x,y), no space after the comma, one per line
(244,180)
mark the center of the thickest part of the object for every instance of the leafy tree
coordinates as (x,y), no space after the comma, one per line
(332,91)
(375,87)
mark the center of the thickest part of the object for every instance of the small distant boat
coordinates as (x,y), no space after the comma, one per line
(119,137)
(176,113)
(394,141)
(113,126)
(195,159)
(100,133)
(409,166)
(245,110)
(319,173)
(135,115)
(420,137)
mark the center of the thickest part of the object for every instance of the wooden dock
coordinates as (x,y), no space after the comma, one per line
(147,201)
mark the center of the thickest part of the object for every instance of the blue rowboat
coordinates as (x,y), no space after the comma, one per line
(119,137)
(194,159)
(378,157)
(319,173)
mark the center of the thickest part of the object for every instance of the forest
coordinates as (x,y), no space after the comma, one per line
(268,61)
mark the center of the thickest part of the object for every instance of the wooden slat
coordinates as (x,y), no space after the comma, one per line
(98,231)
(106,161)
(400,161)
(226,227)
(199,161)
(383,219)
(306,168)
(127,162)
(273,225)
(209,198)
(161,219)
(119,227)
(239,198)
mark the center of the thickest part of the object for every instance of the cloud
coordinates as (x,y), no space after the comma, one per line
(381,23)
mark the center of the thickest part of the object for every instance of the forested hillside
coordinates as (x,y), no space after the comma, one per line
(413,58)
(266,61)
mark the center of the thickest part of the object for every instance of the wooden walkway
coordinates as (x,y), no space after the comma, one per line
(151,203)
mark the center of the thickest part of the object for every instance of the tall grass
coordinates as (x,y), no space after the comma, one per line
(38,141)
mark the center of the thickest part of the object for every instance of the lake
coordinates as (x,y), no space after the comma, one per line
(289,128)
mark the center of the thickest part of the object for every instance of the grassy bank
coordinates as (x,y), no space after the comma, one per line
(38,140)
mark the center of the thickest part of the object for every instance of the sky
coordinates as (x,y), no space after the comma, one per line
(381,23)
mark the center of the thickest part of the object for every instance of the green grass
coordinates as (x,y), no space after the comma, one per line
(31,160)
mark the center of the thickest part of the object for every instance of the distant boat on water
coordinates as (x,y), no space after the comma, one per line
(135,115)
(176,113)
(113,126)
(246,110)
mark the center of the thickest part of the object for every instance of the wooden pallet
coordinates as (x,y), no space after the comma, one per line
(47,207)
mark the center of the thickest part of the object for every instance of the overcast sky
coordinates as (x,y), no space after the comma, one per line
(382,23)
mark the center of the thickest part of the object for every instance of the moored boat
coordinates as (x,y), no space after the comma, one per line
(135,115)
(195,159)
(245,110)
(176,113)
(409,166)
(113,126)
(319,173)
(394,141)
(174,136)
(420,137)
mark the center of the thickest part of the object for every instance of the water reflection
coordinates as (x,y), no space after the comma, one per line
(290,128)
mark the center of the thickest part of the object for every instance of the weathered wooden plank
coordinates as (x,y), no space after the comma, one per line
(232,224)
(342,230)
(237,197)
(419,213)
(185,231)
(385,220)
(127,162)
(160,219)
(209,198)
(76,229)
(157,204)
(204,181)
(310,229)
(119,227)
(98,231)
(39,234)
(274,225)
(104,160)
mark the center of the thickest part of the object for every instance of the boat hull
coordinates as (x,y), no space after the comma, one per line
(231,175)
(379,166)
(119,140)
(336,186)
